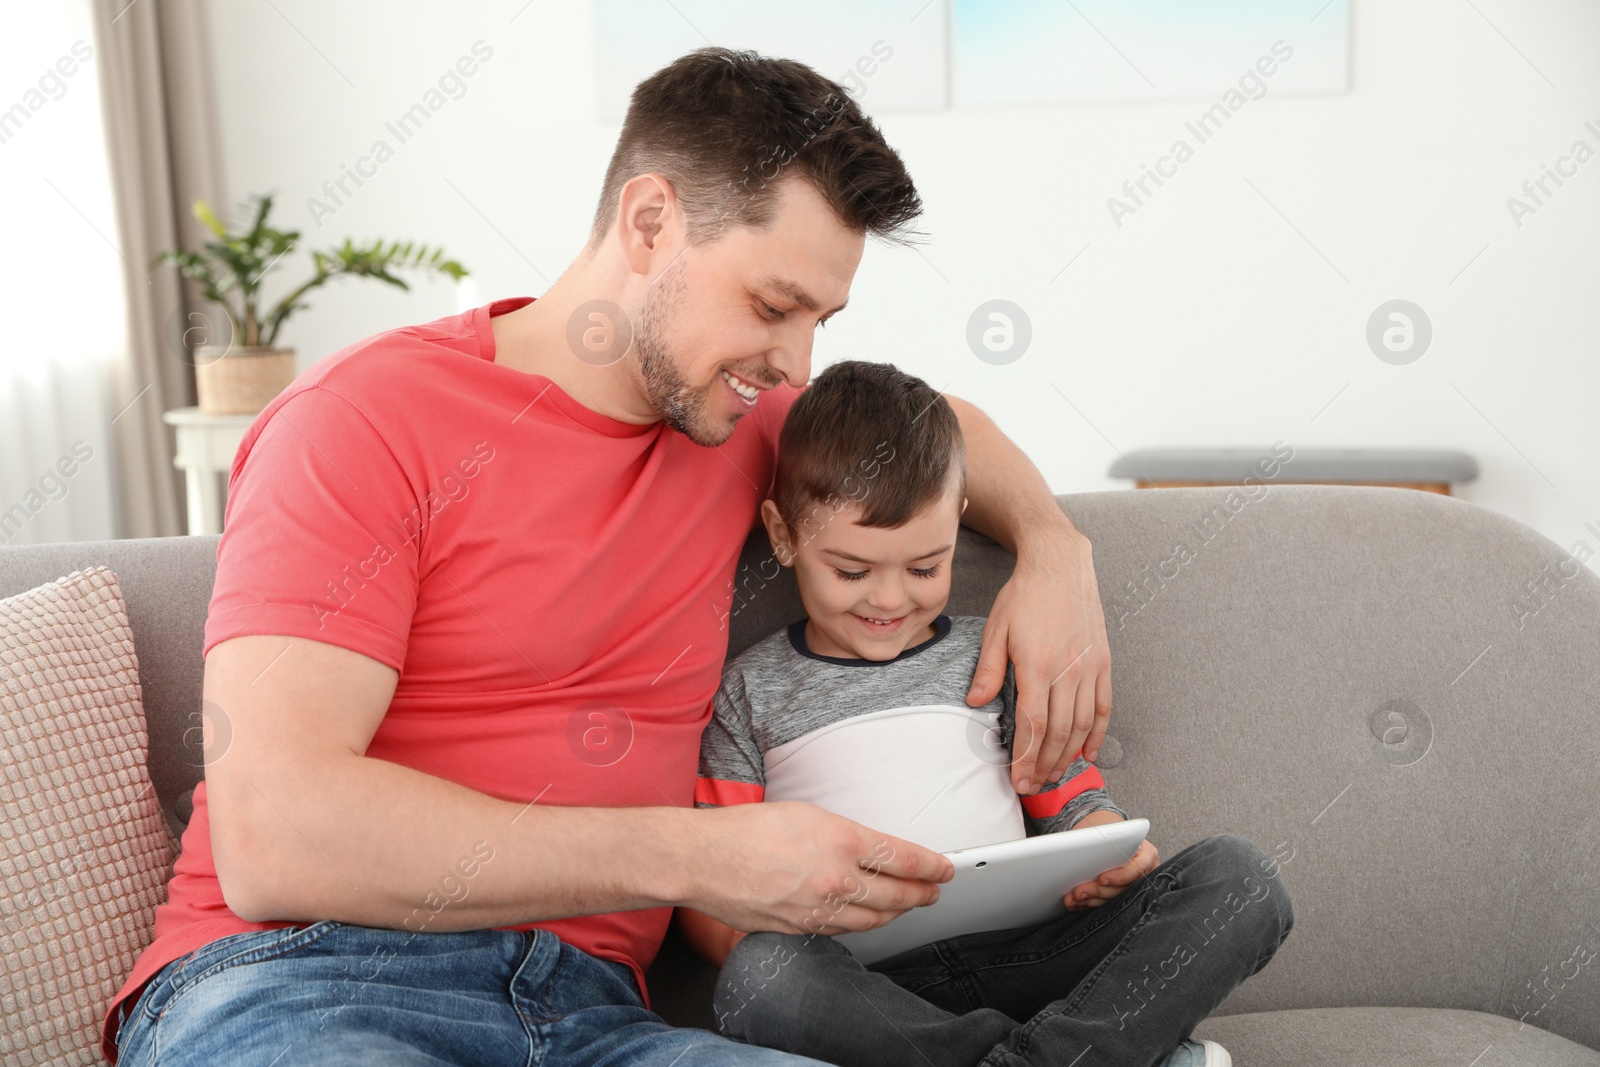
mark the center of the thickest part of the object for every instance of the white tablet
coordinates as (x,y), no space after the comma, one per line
(1005,885)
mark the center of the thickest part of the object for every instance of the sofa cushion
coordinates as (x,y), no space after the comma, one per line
(84,850)
(166,586)
(1390,1037)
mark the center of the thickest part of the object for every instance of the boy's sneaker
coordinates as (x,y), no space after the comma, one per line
(1198,1054)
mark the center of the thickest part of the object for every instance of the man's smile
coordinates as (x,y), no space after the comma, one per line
(745,393)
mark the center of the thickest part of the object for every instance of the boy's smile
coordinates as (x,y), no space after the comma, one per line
(870,592)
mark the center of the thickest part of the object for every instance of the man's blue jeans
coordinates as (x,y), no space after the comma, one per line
(1119,985)
(336,994)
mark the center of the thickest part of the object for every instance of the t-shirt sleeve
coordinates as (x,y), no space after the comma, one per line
(1058,805)
(732,768)
(316,541)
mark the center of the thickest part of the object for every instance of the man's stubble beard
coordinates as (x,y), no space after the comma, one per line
(680,405)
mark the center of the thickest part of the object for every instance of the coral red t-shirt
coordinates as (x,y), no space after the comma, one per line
(553,586)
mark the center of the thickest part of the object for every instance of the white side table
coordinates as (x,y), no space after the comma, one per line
(206,445)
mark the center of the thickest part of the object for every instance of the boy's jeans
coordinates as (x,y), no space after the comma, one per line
(1122,984)
(337,994)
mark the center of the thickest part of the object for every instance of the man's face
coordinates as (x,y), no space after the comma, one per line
(870,593)
(747,305)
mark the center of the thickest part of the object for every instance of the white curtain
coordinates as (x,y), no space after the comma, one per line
(64,320)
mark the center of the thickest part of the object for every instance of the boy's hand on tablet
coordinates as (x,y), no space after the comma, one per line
(1110,883)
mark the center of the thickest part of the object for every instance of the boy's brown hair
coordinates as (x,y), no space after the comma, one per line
(867,434)
(725,127)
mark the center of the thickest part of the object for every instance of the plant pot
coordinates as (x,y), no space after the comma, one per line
(240,381)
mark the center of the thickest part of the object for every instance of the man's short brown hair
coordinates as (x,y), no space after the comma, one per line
(725,127)
(868,435)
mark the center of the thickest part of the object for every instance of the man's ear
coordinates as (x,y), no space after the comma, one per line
(647,214)
(963,505)
(777,533)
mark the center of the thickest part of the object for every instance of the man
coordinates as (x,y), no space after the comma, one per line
(471,607)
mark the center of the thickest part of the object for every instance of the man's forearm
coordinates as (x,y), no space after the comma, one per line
(374,843)
(304,825)
(1007,498)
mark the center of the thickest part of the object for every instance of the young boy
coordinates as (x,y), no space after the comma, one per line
(860,708)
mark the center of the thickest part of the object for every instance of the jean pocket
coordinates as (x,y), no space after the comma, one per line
(253,946)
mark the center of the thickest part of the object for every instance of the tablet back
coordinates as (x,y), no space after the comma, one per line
(1004,885)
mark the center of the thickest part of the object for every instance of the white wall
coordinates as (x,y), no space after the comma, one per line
(1206,318)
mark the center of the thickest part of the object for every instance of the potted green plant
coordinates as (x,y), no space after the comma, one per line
(241,376)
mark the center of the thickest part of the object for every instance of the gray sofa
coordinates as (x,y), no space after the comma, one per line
(1394,692)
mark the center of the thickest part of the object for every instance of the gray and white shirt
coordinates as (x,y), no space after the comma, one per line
(890,744)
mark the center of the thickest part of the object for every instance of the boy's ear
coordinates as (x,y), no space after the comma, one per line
(777,533)
(963,505)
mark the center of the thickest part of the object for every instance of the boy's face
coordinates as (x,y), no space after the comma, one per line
(870,592)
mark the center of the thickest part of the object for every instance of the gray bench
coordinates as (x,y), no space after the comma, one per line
(1434,470)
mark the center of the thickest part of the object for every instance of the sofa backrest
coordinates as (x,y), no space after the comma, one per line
(1396,692)
(1392,692)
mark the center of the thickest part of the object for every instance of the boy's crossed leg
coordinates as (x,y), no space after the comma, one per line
(1120,984)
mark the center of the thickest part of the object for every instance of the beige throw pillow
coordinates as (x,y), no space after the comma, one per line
(84,850)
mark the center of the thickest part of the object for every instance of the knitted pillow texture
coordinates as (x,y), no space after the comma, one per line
(84,850)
